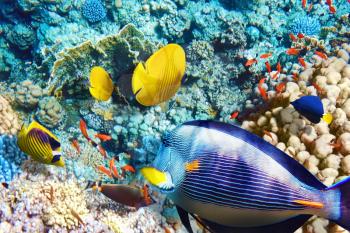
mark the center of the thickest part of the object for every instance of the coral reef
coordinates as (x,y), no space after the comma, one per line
(50,112)
(93,10)
(10,158)
(26,94)
(21,36)
(323,149)
(9,122)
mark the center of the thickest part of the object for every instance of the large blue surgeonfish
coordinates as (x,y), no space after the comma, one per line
(233,181)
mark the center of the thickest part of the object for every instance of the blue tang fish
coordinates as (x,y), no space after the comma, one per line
(233,181)
(312,109)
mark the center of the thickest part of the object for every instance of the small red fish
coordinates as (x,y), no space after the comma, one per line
(5,185)
(332,9)
(266,55)
(329,2)
(113,169)
(302,62)
(317,87)
(295,77)
(279,67)
(83,129)
(280,87)
(321,55)
(102,151)
(275,76)
(292,51)
(234,115)
(336,145)
(128,168)
(251,62)
(292,37)
(75,144)
(268,133)
(303,3)
(105,171)
(146,195)
(263,92)
(103,137)
(310,7)
(268,67)
(300,35)
(261,81)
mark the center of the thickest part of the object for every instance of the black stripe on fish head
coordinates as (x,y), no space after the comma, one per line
(54,143)
(55,158)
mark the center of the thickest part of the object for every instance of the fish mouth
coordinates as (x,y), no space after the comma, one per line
(160,179)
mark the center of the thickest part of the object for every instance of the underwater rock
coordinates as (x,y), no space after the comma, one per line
(50,112)
(9,122)
(27,94)
(21,36)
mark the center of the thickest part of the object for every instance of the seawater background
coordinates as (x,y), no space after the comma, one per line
(47,49)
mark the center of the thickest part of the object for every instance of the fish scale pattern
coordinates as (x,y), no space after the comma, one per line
(11,158)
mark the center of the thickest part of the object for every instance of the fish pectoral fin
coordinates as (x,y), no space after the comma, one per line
(327,117)
(312,204)
(192,166)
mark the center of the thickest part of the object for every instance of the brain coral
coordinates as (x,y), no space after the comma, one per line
(9,123)
(93,10)
(306,25)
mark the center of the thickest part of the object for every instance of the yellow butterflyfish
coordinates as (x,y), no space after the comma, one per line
(101,85)
(38,142)
(159,78)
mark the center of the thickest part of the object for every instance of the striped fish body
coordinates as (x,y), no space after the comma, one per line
(39,143)
(231,177)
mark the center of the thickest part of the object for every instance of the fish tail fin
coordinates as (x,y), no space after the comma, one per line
(327,117)
(342,215)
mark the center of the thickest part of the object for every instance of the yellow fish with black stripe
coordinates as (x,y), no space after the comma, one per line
(38,142)
(159,78)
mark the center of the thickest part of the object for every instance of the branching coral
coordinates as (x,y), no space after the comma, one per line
(306,25)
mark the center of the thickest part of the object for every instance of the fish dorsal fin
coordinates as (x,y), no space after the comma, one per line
(287,226)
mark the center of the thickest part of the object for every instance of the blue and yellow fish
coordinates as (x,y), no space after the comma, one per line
(311,108)
(233,181)
(39,143)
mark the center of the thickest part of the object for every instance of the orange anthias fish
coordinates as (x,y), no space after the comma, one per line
(329,2)
(266,55)
(268,67)
(113,169)
(261,81)
(83,129)
(234,115)
(310,7)
(332,9)
(302,62)
(292,51)
(103,137)
(102,151)
(128,168)
(262,90)
(321,55)
(251,62)
(279,67)
(295,77)
(280,87)
(292,37)
(104,170)
(300,35)
(275,76)
(317,87)
(75,144)
(303,3)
